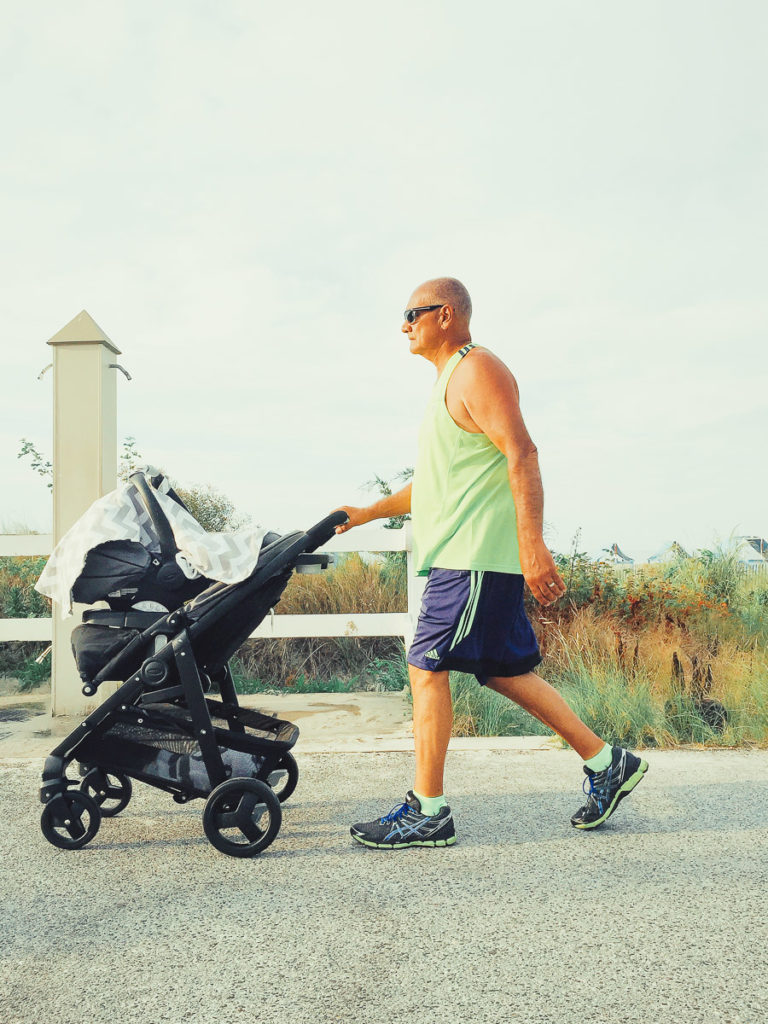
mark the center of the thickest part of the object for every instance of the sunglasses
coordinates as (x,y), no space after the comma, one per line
(411,315)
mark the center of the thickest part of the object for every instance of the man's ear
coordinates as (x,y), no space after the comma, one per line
(446,316)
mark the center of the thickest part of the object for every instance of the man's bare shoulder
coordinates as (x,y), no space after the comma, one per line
(483,368)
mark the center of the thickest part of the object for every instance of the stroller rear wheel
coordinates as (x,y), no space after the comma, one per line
(110,790)
(242,817)
(284,777)
(70,820)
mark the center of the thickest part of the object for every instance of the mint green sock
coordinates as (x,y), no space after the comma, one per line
(430,804)
(601,760)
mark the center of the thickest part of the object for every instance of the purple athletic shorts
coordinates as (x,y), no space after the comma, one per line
(474,622)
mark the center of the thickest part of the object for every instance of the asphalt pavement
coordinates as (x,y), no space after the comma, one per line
(657,917)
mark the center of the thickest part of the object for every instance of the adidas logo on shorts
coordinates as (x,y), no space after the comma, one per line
(433,655)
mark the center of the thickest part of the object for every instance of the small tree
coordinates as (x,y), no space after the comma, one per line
(38,462)
(394,567)
(130,458)
(212,509)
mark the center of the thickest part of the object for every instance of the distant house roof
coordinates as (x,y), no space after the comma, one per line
(670,551)
(753,549)
(615,554)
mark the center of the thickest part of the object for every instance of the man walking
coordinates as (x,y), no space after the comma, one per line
(476,501)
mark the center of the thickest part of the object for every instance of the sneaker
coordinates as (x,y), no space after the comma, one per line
(405,825)
(608,787)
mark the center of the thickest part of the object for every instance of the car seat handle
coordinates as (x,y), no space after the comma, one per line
(160,522)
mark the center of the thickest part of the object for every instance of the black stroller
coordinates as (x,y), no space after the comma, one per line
(162,726)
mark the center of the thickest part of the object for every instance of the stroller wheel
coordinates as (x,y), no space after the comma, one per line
(110,790)
(70,820)
(284,777)
(242,817)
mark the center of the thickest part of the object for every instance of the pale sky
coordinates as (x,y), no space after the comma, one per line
(243,196)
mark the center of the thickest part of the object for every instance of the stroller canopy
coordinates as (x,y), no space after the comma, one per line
(112,545)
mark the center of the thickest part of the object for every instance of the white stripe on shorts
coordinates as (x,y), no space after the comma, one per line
(470,609)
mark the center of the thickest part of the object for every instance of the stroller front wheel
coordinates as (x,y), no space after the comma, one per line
(110,790)
(284,777)
(70,820)
(242,817)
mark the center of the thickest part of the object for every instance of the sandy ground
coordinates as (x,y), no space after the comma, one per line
(337,721)
(352,722)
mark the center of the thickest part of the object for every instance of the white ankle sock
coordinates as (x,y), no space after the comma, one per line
(430,804)
(601,760)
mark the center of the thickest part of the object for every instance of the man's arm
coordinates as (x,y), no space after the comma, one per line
(490,396)
(398,504)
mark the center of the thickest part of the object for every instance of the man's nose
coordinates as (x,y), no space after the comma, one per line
(406,328)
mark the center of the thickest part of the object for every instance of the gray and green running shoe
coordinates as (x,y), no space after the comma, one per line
(405,825)
(608,788)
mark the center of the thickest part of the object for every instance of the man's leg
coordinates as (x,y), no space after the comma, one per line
(613,773)
(543,701)
(432,724)
(423,819)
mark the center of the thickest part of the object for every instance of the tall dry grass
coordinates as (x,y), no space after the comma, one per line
(661,655)
(352,586)
(660,685)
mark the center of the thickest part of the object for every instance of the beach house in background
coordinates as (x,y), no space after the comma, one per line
(615,556)
(669,553)
(752,552)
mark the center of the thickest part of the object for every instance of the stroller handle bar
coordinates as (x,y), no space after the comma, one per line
(322,532)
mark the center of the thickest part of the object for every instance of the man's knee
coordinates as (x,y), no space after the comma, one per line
(423,679)
(510,685)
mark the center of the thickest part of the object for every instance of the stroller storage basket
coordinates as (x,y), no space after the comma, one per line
(158,746)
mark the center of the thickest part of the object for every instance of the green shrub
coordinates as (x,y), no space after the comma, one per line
(18,597)
(389,675)
(383,675)
(246,685)
(31,674)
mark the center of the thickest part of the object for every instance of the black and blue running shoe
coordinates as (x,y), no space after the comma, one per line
(608,788)
(405,825)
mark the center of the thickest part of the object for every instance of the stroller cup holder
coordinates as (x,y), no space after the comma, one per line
(166,725)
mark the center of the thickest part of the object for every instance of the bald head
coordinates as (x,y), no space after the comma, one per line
(446,291)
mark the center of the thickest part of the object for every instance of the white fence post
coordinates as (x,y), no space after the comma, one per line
(84,467)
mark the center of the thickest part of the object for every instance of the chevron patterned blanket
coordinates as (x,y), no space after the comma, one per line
(120,515)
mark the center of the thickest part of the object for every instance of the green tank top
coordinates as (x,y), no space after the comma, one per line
(461,504)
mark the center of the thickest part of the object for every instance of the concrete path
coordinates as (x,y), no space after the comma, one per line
(659,917)
(328,721)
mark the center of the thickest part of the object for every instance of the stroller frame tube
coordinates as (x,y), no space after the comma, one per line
(54,770)
(198,709)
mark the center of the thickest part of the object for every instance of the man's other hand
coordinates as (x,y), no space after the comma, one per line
(357,516)
(541,573)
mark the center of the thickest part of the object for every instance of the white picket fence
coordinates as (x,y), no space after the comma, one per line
(356,625)
(353,624)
